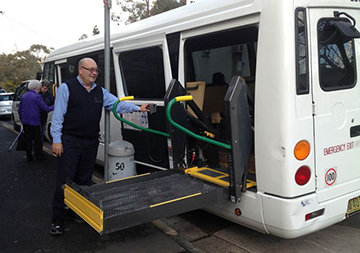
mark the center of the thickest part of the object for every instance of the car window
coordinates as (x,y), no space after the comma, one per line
(6,97)
(20,90)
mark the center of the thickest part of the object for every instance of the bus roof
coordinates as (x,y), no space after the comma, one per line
(179,19)
(184,18)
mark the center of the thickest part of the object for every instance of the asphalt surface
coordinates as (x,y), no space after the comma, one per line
(25,204)
(25,200)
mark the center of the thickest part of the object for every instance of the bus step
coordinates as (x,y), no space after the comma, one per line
(217,176)
(121,204)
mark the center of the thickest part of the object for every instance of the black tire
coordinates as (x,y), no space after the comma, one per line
(16,127)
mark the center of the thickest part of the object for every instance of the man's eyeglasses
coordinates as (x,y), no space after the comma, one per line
(91,70)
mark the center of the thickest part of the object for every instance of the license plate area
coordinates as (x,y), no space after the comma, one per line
(353,206)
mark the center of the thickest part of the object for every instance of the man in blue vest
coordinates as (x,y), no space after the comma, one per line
(75,131)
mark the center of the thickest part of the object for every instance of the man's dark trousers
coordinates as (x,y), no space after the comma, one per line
(77,164)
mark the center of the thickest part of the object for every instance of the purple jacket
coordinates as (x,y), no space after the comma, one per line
(30,106)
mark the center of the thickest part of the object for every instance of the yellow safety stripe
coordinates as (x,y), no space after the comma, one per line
(173,200)
(112,181)
(93,215)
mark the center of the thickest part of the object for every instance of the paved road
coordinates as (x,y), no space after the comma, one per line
(26,192)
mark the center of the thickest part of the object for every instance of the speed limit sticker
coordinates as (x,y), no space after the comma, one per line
(330,176)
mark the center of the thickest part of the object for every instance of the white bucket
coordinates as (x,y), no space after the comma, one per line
(121,160)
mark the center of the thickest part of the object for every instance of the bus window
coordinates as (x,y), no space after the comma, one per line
(173,41)
(49,73)
(99,58)
(336,57)
(63,73)
(229,52)
(101,77)
(302,82)
(143,73)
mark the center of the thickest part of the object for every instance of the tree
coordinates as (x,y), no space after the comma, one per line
(22,65)
(135,10)
(95,31)
(40,51)
(84,36)
(163,6)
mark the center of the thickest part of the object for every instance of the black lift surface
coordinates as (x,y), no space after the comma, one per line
(117,205)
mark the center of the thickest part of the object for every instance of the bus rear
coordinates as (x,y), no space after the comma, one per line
(308,137)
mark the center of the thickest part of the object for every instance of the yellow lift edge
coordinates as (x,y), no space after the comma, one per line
(93,215)
(197,172)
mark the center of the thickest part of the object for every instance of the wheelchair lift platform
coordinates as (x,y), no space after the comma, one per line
(128,202)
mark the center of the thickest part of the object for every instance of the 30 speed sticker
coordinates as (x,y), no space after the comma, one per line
(330,176)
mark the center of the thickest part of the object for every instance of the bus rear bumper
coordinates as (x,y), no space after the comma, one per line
(291,218)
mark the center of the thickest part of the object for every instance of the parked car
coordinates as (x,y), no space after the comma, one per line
(6,101)
(20,90)
(3,91)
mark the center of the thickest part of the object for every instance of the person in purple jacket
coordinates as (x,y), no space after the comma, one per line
(30,106)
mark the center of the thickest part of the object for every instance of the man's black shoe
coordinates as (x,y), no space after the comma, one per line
(56,228)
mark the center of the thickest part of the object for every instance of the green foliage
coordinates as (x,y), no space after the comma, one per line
(84,36)
(163,6)
(135,10)
(40,51)
(22,65)
(95,31)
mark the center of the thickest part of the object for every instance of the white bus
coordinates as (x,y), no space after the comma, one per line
(298,60)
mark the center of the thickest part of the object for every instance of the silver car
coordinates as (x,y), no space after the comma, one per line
(6,100)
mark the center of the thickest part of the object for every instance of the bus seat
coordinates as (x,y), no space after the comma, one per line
(197,90)
(214,102)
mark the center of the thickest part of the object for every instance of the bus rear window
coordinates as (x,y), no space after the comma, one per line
(336,57)
(302,81)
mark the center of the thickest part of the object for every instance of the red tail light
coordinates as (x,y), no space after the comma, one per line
(302,175)
(315,214)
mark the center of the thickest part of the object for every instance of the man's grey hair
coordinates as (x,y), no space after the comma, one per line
(81,62)
(34,84)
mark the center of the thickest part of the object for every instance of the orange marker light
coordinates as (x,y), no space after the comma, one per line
(302,150)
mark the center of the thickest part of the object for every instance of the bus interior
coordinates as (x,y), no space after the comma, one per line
(210,63)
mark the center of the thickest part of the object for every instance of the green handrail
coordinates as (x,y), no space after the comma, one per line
(172,122)
(132,124)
